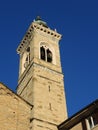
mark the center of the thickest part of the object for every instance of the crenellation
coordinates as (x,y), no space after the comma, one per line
(25,41)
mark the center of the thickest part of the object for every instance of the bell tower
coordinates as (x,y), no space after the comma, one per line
(40,76)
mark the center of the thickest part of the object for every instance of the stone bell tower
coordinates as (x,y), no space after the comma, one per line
(40,76)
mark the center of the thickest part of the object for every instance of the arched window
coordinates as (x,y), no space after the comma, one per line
(46,54)
(42,53)
(49,56)
(25,59)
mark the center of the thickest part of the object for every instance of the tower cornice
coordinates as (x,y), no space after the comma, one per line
(29,35)
(47,30)
(42,67)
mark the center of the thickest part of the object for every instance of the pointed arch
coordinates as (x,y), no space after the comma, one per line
(46,52)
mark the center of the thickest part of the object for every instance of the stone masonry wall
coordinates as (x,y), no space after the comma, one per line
(14,112)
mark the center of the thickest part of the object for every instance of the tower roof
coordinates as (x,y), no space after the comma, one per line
(40,21)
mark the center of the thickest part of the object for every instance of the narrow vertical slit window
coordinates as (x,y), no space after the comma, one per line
(50,106)
(49,88)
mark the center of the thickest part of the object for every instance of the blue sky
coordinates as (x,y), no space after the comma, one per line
(77,21)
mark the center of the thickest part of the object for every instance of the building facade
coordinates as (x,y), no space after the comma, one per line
(40,101)
(86,119)
(15,112)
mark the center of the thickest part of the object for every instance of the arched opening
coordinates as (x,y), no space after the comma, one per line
(42,53)
(25,59)
(49,56)
(46,52)
(28,55)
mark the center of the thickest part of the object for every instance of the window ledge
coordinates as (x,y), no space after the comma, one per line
(95,127)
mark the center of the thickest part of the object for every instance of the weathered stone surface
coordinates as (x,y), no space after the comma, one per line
(14,112)
(39,125)
(41,82)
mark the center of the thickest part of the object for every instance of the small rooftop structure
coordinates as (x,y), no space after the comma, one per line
(40,21)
